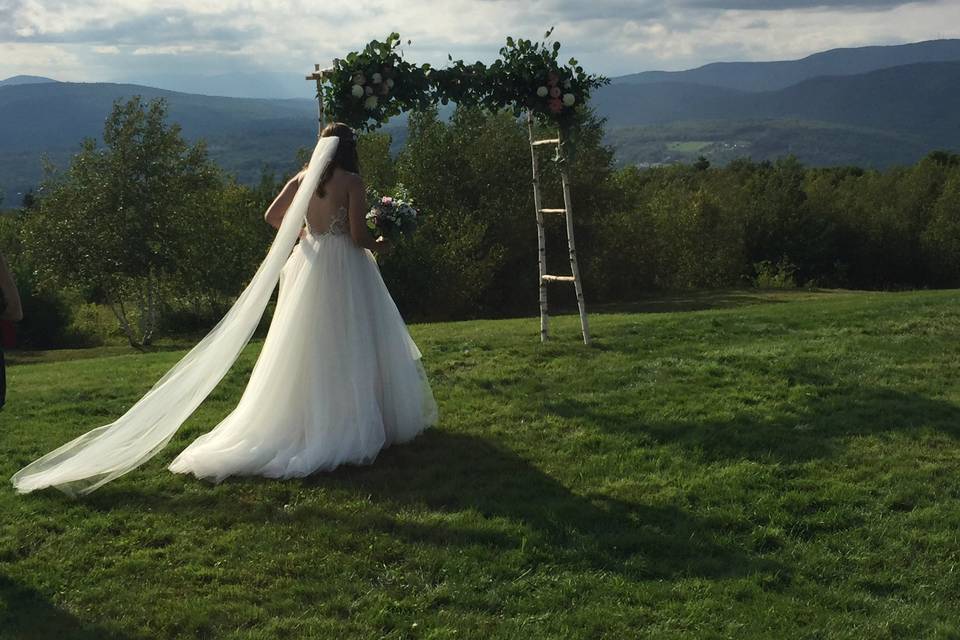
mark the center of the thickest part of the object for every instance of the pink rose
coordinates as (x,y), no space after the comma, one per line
(555,92)
(555,104)
(387,200)
(553,79)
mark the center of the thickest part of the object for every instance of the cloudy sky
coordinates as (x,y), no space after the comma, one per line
(169,41)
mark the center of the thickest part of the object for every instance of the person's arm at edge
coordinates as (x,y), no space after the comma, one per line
(14,309)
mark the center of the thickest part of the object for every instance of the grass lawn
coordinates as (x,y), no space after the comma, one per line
(730,465)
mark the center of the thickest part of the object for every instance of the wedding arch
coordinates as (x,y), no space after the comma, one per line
(366,88)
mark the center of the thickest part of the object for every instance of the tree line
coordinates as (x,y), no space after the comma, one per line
(145,236)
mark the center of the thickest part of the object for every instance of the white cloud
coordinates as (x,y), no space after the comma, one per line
(38,59)
(108,38)
(166,50)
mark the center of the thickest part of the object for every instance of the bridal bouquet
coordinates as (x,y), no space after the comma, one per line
(392,217)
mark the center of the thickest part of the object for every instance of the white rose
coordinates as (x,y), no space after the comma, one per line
(369,90)
(370,103)
(357,91)
(377,78)
(390,82)
(359,79)
(542,92)
(569,99)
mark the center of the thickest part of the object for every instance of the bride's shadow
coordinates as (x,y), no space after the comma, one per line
(449,473)
(487,496)
(31,615)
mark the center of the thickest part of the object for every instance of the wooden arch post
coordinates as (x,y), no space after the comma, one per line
(317,76)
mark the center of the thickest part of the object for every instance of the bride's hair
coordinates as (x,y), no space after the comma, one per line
(346,156)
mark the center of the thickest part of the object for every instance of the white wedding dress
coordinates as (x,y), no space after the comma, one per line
(338,377)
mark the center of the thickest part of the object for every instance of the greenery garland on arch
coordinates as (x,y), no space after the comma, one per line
(368,87)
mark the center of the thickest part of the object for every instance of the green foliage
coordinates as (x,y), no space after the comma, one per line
(781,224)
(448,267)
(368,87)
(776,465)
(121,220)
(376,162)
(775,276)
(940,241)
(227,240)
(528,76)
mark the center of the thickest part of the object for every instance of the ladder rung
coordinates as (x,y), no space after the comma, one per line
(536,143)
(558,278)
(553,210)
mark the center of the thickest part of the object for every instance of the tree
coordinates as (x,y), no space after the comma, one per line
(116,224)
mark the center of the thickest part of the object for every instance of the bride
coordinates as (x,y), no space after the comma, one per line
(338,378)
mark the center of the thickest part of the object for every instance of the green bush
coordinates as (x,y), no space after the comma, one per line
(775,276)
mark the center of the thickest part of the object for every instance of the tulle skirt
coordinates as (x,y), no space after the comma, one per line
(338,378)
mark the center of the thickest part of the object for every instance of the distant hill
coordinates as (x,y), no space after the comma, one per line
(253,84)
(882,118)
(921,98)
(770,76)
(720,141)
(889,116)
(58,115)
(15,80)
(244,135)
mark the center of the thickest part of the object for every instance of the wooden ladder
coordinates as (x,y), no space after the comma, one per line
(567,211)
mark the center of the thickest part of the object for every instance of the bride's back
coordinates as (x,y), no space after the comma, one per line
(324,212)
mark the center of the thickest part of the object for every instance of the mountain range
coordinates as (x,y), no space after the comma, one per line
(17,80)
(770,76)
(870,106)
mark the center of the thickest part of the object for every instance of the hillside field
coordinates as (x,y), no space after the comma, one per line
(724,465)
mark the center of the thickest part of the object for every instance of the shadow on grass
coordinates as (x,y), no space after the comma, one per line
(455,473)
(815,429)
(27,614)
(487,496)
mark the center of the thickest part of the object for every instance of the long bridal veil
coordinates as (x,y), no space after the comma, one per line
(98,456)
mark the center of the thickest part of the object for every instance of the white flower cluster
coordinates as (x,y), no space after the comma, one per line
(376,86)
(556,94)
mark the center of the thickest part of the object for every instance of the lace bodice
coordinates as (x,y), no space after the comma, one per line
(339,224)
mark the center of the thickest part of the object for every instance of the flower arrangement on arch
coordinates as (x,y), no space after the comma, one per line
(528,76)
(368,87)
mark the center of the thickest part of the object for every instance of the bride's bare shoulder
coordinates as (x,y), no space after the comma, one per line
(340,171)
(346,177)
